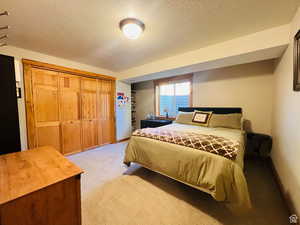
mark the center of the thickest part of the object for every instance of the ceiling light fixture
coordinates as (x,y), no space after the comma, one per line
(132,28)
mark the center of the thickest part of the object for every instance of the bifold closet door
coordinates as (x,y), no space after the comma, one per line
(70,113)
(106,111)
(46,108)
(89,113)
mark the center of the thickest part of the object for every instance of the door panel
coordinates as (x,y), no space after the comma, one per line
(70,113)
(105,118)
(71,137)
(46,78)
(89,105)
(46,107)
(89,134)
(105,111)
(106,132)
(70,106)
(48,135)
(89,84)
(46,104)
(90,120)
(69,97)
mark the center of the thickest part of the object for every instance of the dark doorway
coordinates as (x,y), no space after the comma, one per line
(9,118)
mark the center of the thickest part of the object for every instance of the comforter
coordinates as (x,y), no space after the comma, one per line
(216,175)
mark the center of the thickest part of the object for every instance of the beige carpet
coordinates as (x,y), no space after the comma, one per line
(115,195)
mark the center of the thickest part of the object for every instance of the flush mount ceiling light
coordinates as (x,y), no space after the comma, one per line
(131,27)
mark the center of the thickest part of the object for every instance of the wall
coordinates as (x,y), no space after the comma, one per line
(123,113)
(248,86)
(19,54)
(266,44)
(285,124)
(21,104)
(144,100)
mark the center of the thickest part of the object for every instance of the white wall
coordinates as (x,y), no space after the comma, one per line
(286,123)
(123,113)
(248,86)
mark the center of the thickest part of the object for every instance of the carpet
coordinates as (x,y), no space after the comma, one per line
(113,194)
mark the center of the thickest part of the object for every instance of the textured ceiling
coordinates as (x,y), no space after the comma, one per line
(87,31)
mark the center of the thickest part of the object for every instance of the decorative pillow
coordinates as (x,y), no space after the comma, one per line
(232,120)
(184,117)
(201,118)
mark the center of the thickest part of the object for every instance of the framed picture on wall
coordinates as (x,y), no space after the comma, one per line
(297,62)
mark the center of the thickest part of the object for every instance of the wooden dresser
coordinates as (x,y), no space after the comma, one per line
(39,187)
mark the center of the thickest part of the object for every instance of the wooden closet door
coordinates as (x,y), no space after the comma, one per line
(106,111)
(70,113)
(89,112)
(46,108)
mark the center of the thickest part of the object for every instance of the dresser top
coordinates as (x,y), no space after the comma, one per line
(24,172)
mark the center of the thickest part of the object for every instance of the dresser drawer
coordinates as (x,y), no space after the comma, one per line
(57,204)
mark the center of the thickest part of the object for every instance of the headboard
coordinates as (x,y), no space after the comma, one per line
(216,110)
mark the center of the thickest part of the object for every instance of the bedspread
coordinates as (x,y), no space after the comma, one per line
(216,175)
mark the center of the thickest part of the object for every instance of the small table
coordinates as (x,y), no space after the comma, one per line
(154,123)
(258,144)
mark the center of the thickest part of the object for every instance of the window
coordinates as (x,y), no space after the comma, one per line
(172,93)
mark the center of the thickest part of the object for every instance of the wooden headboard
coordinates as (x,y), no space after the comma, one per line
(216,110)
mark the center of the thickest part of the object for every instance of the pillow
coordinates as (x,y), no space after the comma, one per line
(201,118)
(184,117)
(232,120)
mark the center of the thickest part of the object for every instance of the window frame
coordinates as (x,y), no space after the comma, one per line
(176,79)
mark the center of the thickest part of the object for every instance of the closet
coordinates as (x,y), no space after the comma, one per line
(68,109)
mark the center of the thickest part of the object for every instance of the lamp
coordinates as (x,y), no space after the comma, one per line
(132,28)
(167,112)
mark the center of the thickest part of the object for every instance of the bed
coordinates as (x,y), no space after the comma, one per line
(221,177)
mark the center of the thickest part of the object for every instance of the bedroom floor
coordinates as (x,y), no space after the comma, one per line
(115,195)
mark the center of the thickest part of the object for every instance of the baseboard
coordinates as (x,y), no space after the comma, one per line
(284,195)
(124,139)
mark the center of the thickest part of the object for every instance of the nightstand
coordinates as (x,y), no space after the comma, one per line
(258,145)
(154,123)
